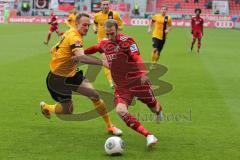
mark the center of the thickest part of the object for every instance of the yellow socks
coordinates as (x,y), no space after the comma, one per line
(108,75)
(155,57)
(102,110)
(57,108)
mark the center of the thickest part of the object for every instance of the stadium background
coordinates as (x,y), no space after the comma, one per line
(216,13)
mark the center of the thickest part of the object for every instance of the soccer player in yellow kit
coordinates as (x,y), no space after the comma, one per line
(64,78)
(162,25)
(99,20)
(71,19)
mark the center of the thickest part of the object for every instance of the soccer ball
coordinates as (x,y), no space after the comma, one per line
(114,146)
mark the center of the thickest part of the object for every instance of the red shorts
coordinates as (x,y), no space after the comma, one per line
(143,92)
(197,34)
(53,28)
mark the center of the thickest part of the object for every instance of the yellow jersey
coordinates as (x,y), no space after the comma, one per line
(161,24)
(99,20)
(61,63)
(71,20)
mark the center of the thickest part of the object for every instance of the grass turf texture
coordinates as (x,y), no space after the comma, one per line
(208,85)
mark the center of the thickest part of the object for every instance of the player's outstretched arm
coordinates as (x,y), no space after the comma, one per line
(150,26)
(92,50)
(81,57)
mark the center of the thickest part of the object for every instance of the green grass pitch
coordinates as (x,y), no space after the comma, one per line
(202,109)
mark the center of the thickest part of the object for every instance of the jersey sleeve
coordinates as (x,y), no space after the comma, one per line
(170,22)
(135,55)
(93,49)
(95,19)
(154,18)
(75,43)
(133,50)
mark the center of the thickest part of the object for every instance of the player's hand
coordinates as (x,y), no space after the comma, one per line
(166,31)
(149,30)
(95,31)
(105,63)
(144,79)
(49,22)
(52,49)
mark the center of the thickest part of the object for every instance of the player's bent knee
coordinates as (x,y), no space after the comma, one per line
(121,109)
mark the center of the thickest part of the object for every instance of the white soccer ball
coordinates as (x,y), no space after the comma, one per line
(114,146)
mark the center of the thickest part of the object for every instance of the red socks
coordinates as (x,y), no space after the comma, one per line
(133,123)
(48,37)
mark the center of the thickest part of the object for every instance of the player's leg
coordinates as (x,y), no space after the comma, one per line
(87,90)
(193,40)
(133,123)
(60,93)
(58,32)
(145,94)
(59,108)
(48,36)
(199,42)
(157,48)
(155,51)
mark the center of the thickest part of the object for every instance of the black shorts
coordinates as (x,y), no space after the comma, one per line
(61,88)
(158,43)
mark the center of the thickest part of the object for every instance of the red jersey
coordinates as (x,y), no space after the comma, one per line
(197,24)
(123,56)
(53,18)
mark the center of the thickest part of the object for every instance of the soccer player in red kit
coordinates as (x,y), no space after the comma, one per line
(197,29)
(129,76)
(53,26)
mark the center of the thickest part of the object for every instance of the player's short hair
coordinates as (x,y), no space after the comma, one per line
(111,22)
(164,6)
(198,10)
(80,15)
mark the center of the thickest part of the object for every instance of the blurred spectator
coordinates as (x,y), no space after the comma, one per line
(217,12)
(208,5)
(237,1)
(26,6)
(136,9)
(177,6)
(186,1)
(196,1)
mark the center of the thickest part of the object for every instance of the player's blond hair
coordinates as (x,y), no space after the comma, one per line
(164,6)
(80,15)
(110,23)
